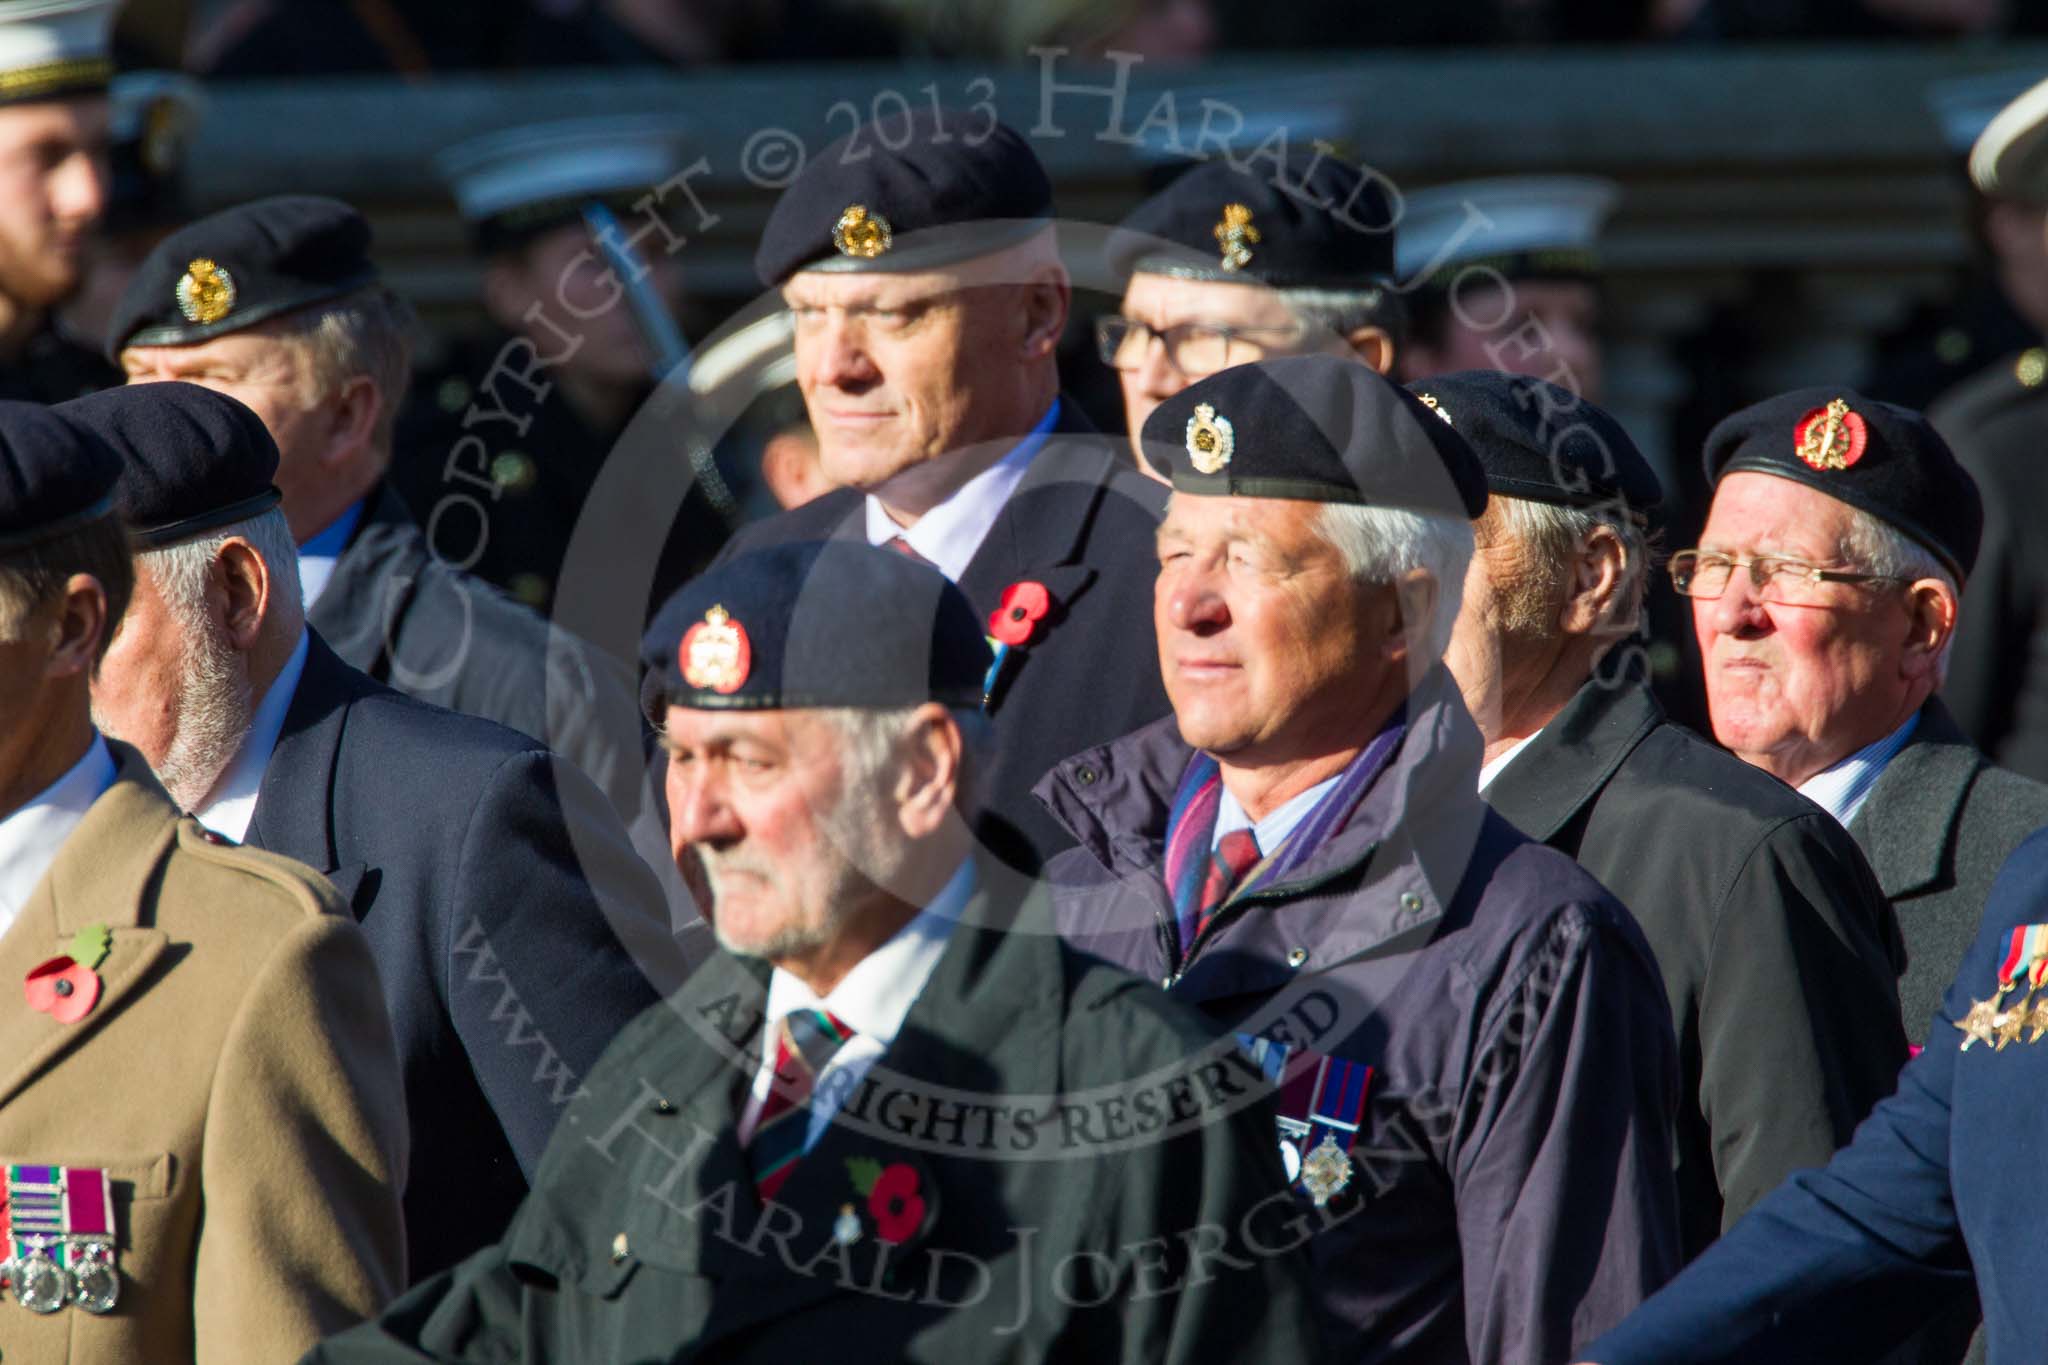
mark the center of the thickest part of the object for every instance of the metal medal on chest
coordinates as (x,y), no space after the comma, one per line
(1326,1172)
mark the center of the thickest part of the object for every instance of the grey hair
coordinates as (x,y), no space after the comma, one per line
(369,332)
(1379,544)
(1878,547)
(873,738)
(1553,533)
(181,571)
(1340,312)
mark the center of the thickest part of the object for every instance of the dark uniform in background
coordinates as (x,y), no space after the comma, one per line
(393,608)
(1984,323)
(579,275)
(1997,422)
(1779,954)
(1488,1016)
(1079,525)
(493,881)
(1032,1210)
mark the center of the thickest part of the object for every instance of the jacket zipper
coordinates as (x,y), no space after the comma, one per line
(1231,913)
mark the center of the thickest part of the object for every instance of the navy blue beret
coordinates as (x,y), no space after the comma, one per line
(1541,442)
(242,266)
(809,624)
(1313,223)
(54,477)
(1315,427)
(192,460)
(907,194)
(1879,457)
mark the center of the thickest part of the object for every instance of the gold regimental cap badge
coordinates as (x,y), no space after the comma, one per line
(1236,236)
(1832,437)
(1210,440)
(206,292)
(715,653)
(1428,400)
(862,234)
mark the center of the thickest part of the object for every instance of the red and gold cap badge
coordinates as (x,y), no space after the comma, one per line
(715,653)
(1832,437)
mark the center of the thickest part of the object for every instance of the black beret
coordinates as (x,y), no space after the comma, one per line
(907,194)
(1312,222)
(1884,459)
(54,477)
(1543,443)
(1315,427)
(194,460)
(240,267)
(810,624)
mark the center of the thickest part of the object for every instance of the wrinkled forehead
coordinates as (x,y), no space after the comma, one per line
(788,728)
(1756,511)
(1283,523)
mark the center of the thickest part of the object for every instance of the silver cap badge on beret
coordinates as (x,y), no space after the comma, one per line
(1211,440)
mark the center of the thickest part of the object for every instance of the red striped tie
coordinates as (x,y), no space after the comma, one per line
(804,1043)
(1235,853)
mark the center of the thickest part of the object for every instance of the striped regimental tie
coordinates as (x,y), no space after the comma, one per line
(804,1042)
(1235,855)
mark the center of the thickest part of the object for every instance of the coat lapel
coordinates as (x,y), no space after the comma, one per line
(987,1022)
(1573,757)
(1907,823)
(101,875)
(295,804)
(372,586)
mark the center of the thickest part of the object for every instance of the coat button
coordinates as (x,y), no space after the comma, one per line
(1085,776)
(619,1249)
(1297,957)
(1410,902)
(663,1106)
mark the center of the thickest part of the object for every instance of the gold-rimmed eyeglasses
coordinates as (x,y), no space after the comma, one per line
(1775,578)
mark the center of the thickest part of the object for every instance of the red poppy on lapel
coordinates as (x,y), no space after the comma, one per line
(1025,603)
(895,1197)
(63,989)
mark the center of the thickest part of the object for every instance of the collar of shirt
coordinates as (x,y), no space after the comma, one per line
(1278,824)
(234,800)
(872,1000)
(31,836)
(1840,790)
(317,556)
(1498,765)
(950,533)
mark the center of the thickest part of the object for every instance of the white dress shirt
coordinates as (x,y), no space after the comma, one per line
(31,836)
(871,1000)
(1841,790)
(1493,769)
(950,533)
(234,797)
(318,556)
